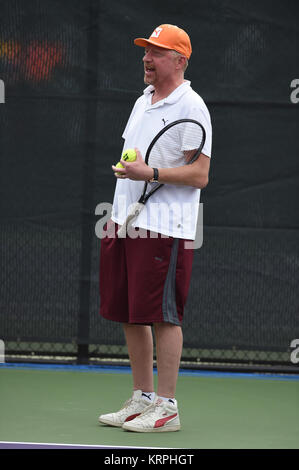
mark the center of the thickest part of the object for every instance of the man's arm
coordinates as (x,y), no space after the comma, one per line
(196,174)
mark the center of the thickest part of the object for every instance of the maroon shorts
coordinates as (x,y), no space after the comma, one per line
(144,280)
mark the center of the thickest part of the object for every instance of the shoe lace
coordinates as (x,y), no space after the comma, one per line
(127,403)
(150,409)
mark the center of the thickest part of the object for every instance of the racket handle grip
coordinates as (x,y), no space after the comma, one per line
(136,209)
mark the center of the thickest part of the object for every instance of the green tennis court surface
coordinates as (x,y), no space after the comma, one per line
(217,411)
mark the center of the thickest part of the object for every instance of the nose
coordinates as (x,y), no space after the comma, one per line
(146,57)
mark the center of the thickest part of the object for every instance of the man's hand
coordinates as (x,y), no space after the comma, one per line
(137,170)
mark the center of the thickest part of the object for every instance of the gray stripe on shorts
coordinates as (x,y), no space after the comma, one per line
(169,308)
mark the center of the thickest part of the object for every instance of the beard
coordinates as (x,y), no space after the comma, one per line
(149,79)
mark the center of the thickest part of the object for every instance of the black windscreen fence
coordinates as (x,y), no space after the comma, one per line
(70,75)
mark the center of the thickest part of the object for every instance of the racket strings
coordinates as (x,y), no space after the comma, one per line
(176,146)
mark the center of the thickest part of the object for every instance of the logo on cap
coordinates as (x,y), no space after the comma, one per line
(156,33)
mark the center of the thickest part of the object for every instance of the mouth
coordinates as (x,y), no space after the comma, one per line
(149,69)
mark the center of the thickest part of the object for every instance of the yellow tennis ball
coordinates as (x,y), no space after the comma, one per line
(128,155)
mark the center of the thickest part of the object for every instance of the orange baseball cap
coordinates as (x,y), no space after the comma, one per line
(168,36)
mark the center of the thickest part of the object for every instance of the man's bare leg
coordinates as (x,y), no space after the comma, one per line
(169,343)
(139,340)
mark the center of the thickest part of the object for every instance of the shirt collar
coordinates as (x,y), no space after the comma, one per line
(174,96)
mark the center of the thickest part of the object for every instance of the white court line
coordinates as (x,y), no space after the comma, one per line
(54,444)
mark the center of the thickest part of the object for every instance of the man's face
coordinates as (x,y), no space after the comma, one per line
(159,65)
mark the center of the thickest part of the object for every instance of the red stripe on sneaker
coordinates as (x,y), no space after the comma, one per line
(129,418)
(160,422)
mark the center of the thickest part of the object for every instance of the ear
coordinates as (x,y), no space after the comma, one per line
(181,62)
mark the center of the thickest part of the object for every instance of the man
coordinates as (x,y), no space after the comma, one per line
(150,275)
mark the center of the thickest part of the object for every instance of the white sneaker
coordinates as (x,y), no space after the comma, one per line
(130,410)
(159,417)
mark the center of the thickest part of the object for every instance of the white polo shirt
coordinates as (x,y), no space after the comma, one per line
(173,209)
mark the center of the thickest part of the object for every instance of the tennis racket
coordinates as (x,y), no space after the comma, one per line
(177,144)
